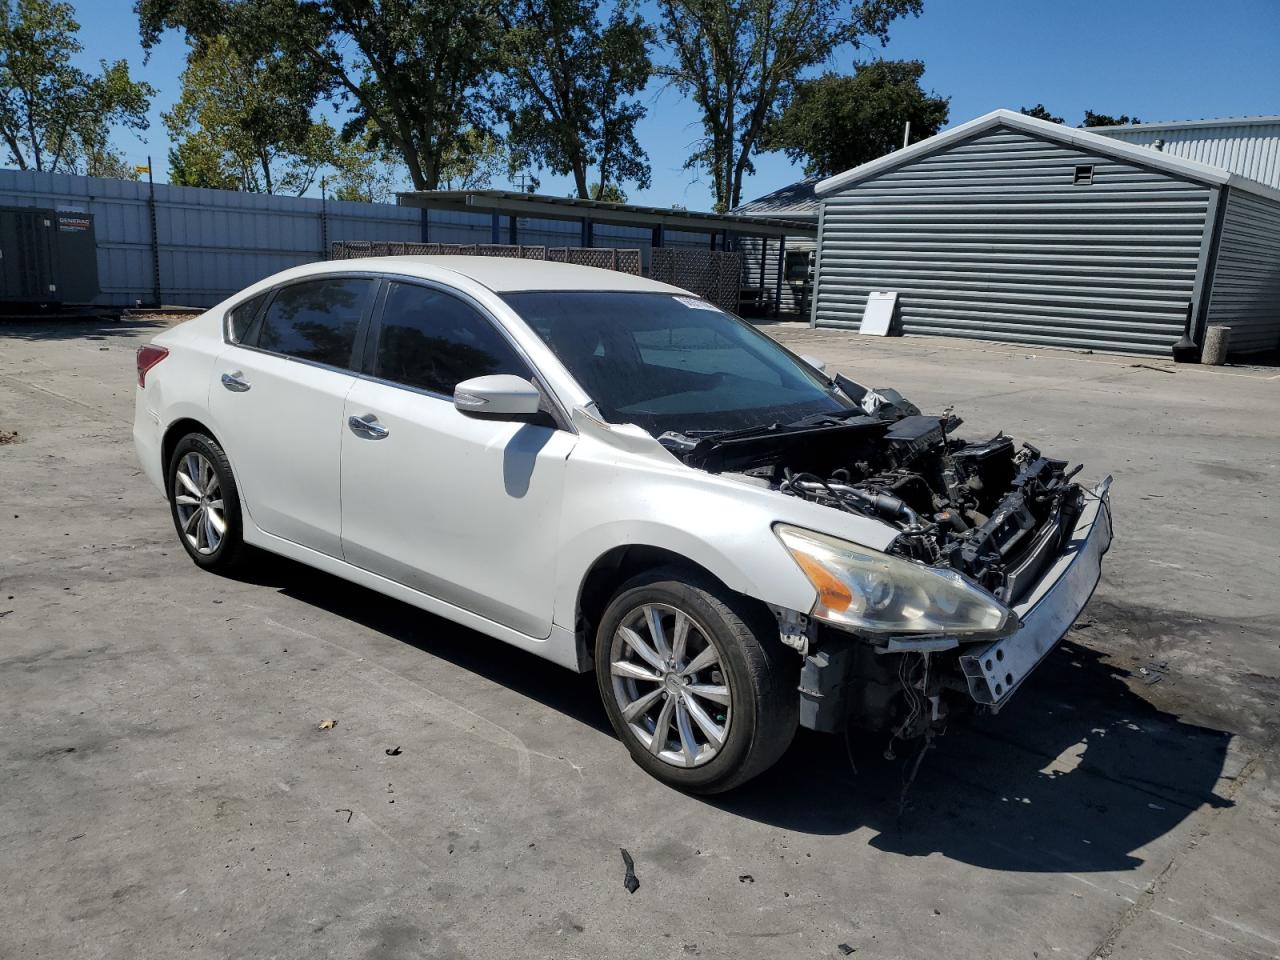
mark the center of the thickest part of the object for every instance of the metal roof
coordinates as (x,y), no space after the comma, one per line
(1071,136)
(600,211)
(1249,146)
(1265,120)
(795,200)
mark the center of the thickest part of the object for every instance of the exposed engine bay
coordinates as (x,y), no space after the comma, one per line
(995,510)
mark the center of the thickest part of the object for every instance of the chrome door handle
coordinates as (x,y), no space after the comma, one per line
(367,426)
(235,382)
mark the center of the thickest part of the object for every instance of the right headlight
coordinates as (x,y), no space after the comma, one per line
(865,590)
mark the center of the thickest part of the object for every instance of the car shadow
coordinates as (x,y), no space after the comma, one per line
(566,692)
(99,327)
(1077,774)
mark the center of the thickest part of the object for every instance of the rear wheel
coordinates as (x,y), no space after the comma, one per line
(205,503)
(695,680)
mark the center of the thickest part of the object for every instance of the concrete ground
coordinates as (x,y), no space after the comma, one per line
(165,789)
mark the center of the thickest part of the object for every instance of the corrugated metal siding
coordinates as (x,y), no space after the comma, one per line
(1249,149)
(212,242)
(792,293)
(1246,279)
(990,239)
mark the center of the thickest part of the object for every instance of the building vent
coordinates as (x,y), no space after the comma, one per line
(1084,175)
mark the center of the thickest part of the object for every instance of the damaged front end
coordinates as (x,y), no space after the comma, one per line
(997,553)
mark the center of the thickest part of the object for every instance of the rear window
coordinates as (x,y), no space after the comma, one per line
(316,320)
(240,319)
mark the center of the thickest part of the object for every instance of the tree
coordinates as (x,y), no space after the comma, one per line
(361,172)
(473,163)
(246,122)
(837,122)
(411,72)
(1092,119)
(1040,113)
(740,61)
(571,83)
(53,115)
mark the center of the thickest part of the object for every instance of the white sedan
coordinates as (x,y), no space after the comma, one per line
(615,475)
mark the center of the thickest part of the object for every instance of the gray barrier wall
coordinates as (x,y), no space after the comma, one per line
(210,243)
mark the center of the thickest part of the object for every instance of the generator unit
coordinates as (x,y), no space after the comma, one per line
(47,256)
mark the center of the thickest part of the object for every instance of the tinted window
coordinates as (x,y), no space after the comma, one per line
(674,363)
(316,320)
(433,341)
(240,318)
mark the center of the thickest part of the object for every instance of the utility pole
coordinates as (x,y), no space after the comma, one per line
(906,135)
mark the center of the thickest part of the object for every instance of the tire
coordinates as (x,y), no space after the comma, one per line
(753,680)
(198,512)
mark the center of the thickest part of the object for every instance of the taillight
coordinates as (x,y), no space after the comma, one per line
(148,356)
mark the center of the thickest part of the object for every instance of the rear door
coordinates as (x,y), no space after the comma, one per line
(277,402)
(463,509)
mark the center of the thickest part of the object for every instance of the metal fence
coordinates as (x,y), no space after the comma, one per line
(191,246)
(712,275)
(607,258)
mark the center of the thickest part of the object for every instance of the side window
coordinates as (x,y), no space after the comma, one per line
(434,341)
(316,320)
(240,318)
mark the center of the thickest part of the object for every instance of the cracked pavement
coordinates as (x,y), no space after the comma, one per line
(166,787)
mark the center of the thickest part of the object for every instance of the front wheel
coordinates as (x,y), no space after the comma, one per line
(695,680)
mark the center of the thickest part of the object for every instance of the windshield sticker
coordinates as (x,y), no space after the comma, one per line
(693,303)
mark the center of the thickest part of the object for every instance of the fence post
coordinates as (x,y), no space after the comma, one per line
(777,295)
(324,222)
(155,235)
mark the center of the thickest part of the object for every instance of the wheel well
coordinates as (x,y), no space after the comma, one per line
(607,574)
(176,431)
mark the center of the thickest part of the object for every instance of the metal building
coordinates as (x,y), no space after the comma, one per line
(1015,229)
(1249,146)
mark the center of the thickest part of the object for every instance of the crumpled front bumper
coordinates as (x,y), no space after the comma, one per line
(993,672)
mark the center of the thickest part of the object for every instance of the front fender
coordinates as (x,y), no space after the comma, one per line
(616,498)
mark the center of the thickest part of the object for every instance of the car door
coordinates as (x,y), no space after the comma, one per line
(461,508)
(277,404)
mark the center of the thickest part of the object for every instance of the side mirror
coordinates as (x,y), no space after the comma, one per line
(819,365)
(502,396)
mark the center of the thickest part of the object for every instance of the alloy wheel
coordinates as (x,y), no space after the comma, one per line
(670,684)
(197,494)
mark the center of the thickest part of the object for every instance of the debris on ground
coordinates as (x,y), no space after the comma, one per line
(4,613)
(392,751)
(846,949)
(629,879)
(328,724)
(1147,366)
(8,436)
(347,810)
(1154,672)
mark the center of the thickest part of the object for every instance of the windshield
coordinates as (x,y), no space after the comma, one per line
(666,362)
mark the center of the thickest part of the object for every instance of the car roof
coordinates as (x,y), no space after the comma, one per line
(511,274)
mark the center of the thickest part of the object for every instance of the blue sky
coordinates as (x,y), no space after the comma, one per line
(1156,59)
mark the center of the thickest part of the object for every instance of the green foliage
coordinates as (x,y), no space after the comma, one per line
(1092,119)
(837,122)
(570,89)
(474,160)
(53,115)
(362,172)
(246,123)
(411,72)
(740,61)
(609,193)
(1041,113)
